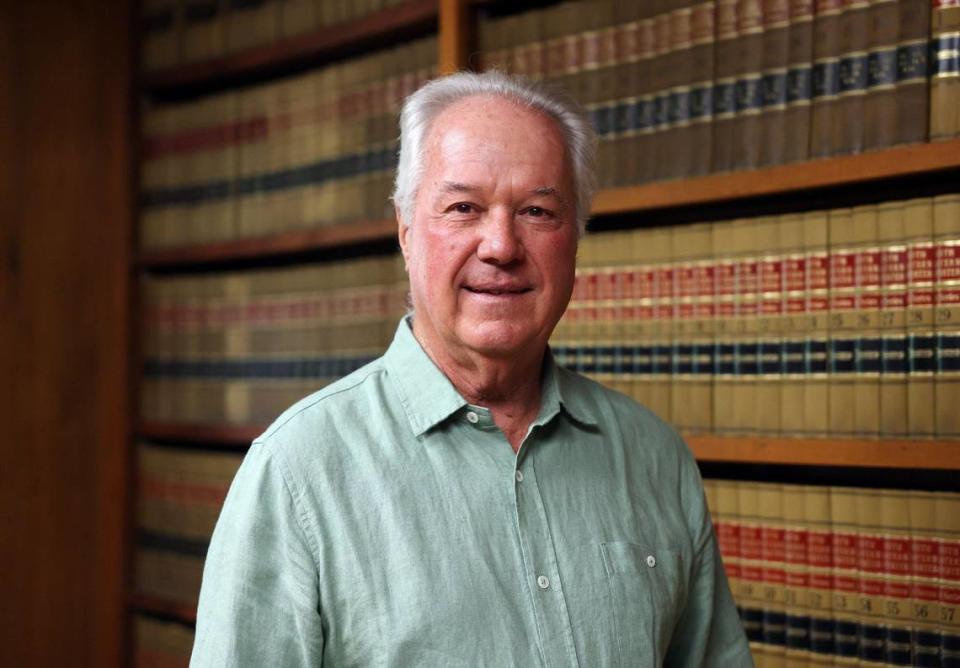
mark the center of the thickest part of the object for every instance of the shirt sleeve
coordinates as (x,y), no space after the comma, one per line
(709,632)
(259,602)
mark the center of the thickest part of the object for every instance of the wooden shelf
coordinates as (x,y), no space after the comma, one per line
(298,241)
(844,170)
(876,453)
(397,22)
(870,453)
(158,606)
(226,435)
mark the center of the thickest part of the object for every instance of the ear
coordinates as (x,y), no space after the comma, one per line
(403,230)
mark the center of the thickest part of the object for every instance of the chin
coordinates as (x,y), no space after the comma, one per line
(499,339)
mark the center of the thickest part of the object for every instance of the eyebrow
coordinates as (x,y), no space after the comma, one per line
(543,191)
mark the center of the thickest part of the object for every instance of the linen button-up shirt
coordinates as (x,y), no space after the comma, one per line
(384,521)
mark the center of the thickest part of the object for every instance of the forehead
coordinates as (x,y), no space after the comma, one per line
(479,126)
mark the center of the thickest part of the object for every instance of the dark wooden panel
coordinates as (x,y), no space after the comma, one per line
(64,287)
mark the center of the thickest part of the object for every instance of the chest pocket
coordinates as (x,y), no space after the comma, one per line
(647,589)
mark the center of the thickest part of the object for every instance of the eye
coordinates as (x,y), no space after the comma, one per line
(537,212)
(461,207)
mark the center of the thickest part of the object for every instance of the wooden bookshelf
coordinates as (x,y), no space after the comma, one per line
(889,163)
(870,453)
(397,22)
(286,243)
(158,606)
(866,453)
(844,170)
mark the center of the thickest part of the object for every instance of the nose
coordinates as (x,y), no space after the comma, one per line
(499,242)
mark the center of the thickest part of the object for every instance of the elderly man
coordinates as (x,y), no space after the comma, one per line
(462,501)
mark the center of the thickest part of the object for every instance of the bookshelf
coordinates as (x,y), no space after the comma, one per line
(454,21)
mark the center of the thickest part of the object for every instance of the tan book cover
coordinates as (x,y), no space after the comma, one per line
(684,254)
(897,613)
(946,232)
(794,325)
(674,143)
(749,88)
(843,322)
(704,318)
(662,327)
(644,252)
(773,591)
(750,596)
(854,25)
(724,89)
(893,362)
(776,57)
(817,521)
(947,506)
(826,76)
(584,333)
(204,29)
(846,581)
(796,120)
(725,327)
(866,407)
(770,325)
(252,204)
(702,52)
(913,71)
(816,398)
(796,577)
(921,277)
(945,71)
(747,252)
(924,577)
(872,536)
(879,105)
(726,520)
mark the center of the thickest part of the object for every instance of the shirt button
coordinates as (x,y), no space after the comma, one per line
(543,582)
(519,476)
(472,417)
(651,561)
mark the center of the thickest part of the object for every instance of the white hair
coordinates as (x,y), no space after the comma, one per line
(421,108)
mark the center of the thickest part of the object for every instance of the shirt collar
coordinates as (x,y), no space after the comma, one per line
(428,397)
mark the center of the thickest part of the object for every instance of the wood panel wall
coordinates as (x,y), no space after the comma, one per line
(65,247)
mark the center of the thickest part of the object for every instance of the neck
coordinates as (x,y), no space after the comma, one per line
(508,387)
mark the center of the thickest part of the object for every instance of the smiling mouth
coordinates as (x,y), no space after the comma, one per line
(497,291)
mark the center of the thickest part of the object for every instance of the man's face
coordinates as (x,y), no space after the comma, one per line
(492,247)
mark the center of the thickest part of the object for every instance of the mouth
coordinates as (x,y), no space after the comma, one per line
(497,291)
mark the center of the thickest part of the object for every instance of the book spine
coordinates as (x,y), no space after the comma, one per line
(846,582)
(747,358)
(796,576)
(817,521)
(826,79)
(792,421)
(749,84)
(867,354)
(684,289)
(662,330)
(770,371)
(897,572)
(203,30)
(843,325)
(948,527)
(946,228)
(664,73)
(726,271)
(925,629)
(871,548)
(945,71)
(893,358)
(880,119)
(773,573)
(913,71)
(724,88)
(704,367)
(855,33)
(921,269)
(703,31)
(816,409)
(796,121)
(751,564)
(727,520)
(776,57)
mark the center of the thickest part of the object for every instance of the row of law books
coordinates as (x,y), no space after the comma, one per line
(827,576)
(296,153)
(841,322)
(680,88)
(821,575)
(180,32)
(180,491)
(237,348)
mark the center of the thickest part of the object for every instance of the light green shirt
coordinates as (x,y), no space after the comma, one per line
(384,521)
